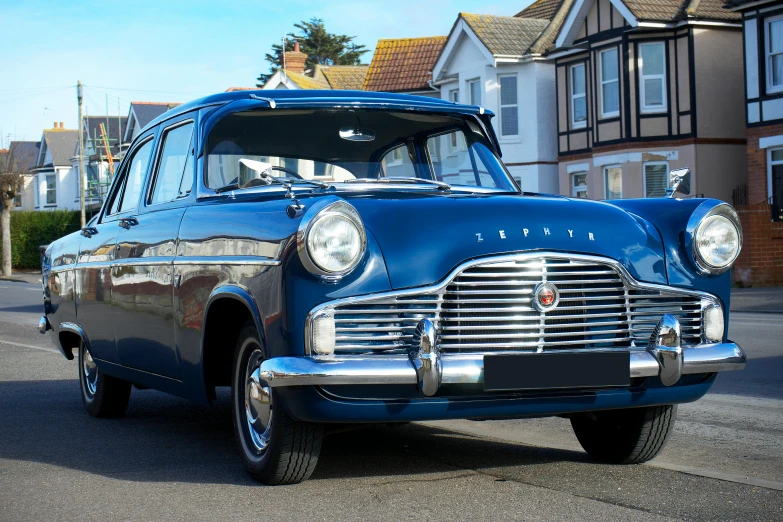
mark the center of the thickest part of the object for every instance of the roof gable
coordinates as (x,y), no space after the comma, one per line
(403,64)
(345,77)
(59,144)
(23,156)
(505,35)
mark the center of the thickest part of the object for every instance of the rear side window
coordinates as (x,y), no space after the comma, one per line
(174,179)
(128,196)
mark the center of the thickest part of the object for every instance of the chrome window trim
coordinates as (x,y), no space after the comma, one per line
(438,288)
(153,177)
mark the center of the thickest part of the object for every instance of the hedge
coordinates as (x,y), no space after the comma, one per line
(31,229)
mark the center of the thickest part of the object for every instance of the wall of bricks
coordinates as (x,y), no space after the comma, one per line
(761,260)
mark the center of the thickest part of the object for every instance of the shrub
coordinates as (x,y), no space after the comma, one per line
(31,229)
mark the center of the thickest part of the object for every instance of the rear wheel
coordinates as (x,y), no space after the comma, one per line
(627,436)
(103,395)
(275,448)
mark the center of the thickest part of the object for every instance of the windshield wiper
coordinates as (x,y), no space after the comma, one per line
(439,184)
(268,180)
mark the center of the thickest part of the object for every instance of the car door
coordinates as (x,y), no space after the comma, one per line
(97,252)
(146,246)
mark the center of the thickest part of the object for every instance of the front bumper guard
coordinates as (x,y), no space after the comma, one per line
(426,368)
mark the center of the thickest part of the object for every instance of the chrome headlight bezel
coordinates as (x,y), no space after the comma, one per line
(703,212)
(330,206)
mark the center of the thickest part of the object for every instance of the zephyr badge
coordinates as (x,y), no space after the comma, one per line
(545,297)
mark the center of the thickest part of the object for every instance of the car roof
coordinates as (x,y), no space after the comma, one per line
(327,99)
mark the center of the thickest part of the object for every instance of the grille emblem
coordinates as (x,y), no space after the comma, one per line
(545,297)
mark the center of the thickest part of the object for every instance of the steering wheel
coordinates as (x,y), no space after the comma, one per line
(289,171)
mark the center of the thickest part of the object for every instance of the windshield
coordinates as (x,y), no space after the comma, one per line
(345,146)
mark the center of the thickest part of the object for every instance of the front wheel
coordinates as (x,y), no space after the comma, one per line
(103,395)
(275,448)
(629,436)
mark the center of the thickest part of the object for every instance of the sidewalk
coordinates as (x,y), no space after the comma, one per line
(24,276)
(758,300)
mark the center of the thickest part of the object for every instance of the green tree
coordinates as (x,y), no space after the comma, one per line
(321,47)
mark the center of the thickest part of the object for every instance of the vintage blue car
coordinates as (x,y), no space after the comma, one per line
(353,257)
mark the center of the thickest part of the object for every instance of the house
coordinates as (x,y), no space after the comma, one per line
(139,115)
(404,65)
(499,62)
(24,155)
(53,186)
(102,137)
(760,207)
(645,86)
(296,76)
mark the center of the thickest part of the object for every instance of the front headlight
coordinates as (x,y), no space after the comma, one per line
(331,240)
(715,237)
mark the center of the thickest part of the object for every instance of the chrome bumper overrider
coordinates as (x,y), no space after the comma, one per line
(428,369)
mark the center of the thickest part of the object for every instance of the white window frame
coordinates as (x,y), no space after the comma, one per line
(606,180)
(662,77)
(454,95)
(470,91)
(616,113)
(36,191)
(501,106)
(574,188)
(577,124)
(46,189)
(644,173)
(768,56)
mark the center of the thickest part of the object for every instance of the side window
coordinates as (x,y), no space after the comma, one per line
(128,196)
(397,163)
(173,169)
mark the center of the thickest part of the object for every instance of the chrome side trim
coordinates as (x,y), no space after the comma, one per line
(463,368)
(226,260)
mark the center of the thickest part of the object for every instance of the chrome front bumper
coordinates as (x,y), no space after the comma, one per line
(463,369)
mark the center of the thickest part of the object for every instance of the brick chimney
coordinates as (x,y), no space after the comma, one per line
(61,125)
(295,60)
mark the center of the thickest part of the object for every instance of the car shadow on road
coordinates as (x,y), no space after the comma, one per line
(165,438)
(37,308)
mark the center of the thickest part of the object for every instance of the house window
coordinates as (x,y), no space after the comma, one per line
(36,192)
(774,52)
(656,179)
(775,183)
(579,184)
(454,97)
(51,190)
(578,97)
(610,84)
(652,66)
(509,108)
(474,90)
(613,179)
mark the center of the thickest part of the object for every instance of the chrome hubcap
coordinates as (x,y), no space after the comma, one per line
(258,404)
(90,370)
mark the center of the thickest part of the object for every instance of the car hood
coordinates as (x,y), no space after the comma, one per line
(424,237)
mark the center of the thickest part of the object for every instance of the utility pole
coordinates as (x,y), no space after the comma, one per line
(82,174)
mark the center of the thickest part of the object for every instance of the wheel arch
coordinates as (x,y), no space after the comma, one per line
(69,336)
(227,309)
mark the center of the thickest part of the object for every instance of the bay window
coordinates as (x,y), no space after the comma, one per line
(656,179)
(610,84)
(613,179)
(578,96)
(579,184)
(652,77)
(774,53)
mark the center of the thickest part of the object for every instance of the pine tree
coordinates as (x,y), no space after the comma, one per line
(321,47)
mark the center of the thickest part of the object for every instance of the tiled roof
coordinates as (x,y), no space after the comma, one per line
(505,35)
(403,64)
(546,42)
(345,77)
(541,9)
(675,10)
(237,89)
(24,155)
(148,111)
(306,82)
(61,143)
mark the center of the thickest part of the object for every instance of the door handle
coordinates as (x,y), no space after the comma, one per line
(89,231)
(126,223)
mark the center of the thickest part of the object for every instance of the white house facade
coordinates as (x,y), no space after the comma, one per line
(53,184)
(496,62)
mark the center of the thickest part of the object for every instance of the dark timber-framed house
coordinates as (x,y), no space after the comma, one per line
(644,87)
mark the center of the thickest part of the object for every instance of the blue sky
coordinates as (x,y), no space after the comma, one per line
(174,50)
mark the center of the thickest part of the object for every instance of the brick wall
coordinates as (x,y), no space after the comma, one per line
(761,260)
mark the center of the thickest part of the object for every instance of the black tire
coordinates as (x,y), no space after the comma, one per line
(629,436)
(103,395)
(291,447)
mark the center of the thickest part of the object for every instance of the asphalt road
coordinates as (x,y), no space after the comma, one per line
(169,459)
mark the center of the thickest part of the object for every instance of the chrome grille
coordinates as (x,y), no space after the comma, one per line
(488,307)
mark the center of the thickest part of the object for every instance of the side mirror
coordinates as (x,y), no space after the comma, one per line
(679,182)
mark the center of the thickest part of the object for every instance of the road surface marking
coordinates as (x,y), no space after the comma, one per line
(21,345)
